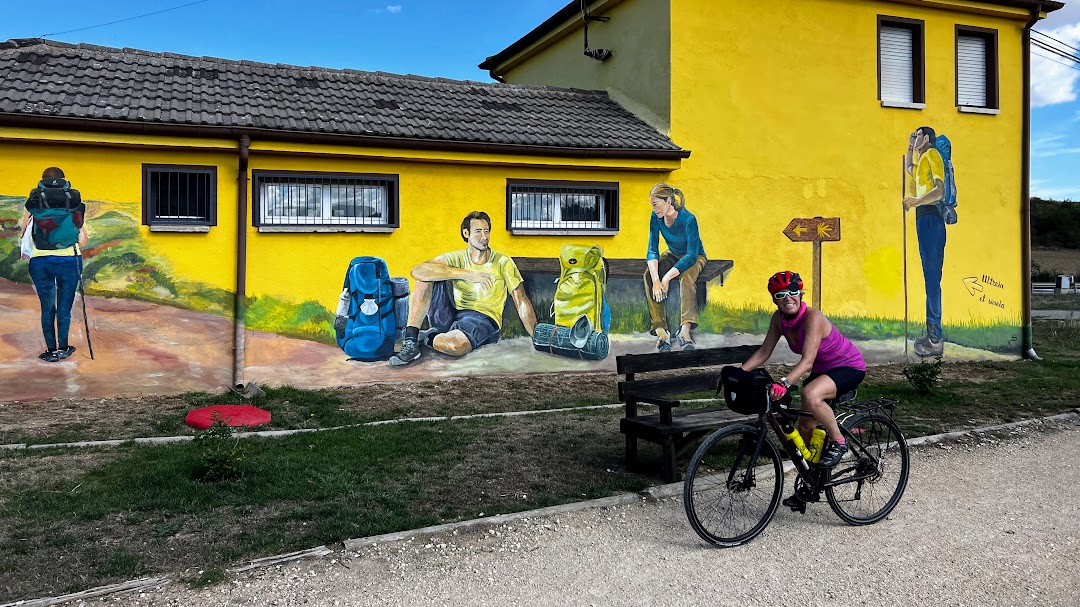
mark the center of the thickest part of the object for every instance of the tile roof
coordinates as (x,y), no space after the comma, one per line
(49,81)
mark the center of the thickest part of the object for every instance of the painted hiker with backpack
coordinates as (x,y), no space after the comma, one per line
(684,259)
(56,213)
(929,162)
(462,294)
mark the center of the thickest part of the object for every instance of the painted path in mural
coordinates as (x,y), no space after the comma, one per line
(143,349)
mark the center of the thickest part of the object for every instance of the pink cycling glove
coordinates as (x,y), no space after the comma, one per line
(777,391)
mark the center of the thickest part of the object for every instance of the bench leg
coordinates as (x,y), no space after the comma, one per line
(631,450)
(667,463)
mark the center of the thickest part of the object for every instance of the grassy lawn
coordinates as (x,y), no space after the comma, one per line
(76,518)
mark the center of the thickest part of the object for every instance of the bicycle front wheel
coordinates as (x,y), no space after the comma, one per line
(729,494)
(871,478)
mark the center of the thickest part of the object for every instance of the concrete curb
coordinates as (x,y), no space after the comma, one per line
(657,492)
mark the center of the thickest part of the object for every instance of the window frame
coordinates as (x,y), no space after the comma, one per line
(993,69)
(153,219)
(609,207)
(389,181)
(918,60)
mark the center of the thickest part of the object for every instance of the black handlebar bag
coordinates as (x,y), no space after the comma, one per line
(745,392)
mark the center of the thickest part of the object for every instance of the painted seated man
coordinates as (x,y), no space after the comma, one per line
(462,295)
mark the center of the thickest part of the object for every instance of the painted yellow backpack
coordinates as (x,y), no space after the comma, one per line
(581,288)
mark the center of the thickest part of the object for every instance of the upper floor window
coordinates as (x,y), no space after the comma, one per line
(176,196)
(284,198)
(976,68)
(561,205)
(901,62)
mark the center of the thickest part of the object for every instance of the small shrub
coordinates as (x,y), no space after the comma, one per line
(923,375)
(219,451)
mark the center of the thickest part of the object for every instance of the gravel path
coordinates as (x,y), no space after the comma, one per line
(985,521)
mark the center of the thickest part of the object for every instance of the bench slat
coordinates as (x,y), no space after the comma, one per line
(621,267)
(683,359)
(644,389)
(651,428)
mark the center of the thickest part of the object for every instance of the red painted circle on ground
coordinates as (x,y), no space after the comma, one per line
(232,415)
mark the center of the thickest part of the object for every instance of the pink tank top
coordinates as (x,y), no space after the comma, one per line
(835,350)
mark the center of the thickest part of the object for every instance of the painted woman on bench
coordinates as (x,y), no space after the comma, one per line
(684,259)
(836,366)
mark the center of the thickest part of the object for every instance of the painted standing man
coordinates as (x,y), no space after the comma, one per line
(462,294)
(57,211)
(925,165)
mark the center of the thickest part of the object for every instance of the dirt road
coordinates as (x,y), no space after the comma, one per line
(985,521)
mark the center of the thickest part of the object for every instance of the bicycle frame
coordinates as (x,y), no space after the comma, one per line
(775,415)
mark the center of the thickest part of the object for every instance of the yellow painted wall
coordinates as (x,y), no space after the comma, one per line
(436,189)
(104,170)
(637,75)
(434,198)
(780,110)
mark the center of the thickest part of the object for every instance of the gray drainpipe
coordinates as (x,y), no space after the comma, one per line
(1025,190)
(241,264)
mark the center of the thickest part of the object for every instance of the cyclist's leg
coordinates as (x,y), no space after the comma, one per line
(819,387)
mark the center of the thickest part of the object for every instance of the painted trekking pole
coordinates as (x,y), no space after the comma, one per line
(903,215)
(82,296)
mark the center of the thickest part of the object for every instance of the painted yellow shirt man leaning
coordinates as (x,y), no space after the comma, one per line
(462,294)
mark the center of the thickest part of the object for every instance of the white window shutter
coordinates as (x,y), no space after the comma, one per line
(971,71)
(897,67)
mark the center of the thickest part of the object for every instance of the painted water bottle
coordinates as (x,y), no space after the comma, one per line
(817,444)
(793,435)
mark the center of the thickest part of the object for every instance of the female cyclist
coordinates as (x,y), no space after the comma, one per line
(836,366)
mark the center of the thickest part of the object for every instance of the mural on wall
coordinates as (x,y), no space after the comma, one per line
(929,164)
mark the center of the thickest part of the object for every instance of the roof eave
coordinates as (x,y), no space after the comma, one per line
(376,141)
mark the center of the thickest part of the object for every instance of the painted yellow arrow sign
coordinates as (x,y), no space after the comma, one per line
(813,229)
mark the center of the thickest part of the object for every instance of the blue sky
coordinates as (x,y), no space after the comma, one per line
(449,38)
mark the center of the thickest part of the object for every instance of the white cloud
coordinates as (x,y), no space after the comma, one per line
(393,8)
(1052,82)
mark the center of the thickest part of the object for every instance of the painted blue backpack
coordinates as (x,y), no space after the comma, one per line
(367,329)
(947,204)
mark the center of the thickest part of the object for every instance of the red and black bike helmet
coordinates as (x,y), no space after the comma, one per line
(785,281)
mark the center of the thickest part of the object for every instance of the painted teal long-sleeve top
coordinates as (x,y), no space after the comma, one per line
(682,239)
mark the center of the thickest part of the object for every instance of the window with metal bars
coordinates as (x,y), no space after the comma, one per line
(285,198)
(562,205)
(179,195)
(976,67)
(901,62)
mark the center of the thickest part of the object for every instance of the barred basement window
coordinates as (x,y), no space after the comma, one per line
(562,205)
(179,195)
(285,198)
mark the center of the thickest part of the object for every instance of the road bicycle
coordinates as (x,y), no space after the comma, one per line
(735,479)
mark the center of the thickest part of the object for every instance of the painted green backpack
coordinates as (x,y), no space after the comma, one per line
(57,217)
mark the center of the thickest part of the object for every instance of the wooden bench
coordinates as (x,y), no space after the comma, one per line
(673,431)
(629,268)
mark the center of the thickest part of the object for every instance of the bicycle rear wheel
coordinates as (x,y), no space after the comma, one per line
(729,495)
(873,473)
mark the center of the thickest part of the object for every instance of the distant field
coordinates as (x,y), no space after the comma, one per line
(1057,261)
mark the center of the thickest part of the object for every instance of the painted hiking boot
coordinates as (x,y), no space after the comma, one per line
(64,352)
(928,346)
(410,351)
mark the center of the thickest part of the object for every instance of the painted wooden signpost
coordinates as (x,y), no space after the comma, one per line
(816,230)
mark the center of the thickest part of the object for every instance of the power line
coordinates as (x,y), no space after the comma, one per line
(1056,40)
(90,27)
(1048,58)
(1058,52)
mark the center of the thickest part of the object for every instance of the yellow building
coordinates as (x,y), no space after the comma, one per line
(214,187)
(805,108)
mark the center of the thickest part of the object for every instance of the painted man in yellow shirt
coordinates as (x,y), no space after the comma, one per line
(462,294)
(928,170)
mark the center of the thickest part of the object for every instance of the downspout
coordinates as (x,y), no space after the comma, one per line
(1025,190)
(241,264)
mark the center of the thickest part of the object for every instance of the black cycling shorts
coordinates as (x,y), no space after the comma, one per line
(845,378)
